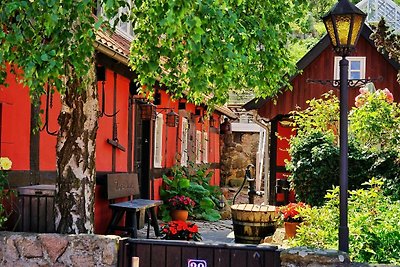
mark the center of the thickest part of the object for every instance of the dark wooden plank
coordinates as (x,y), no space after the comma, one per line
(158,254)
(143,251)
(238,258)
(122,185)
(272,259)
(188,252)
(174,255)
(221,258)
(206,254)
(255,258)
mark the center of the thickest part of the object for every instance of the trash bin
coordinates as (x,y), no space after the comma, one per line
(37,208)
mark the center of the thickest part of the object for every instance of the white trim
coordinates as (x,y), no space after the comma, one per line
(245,127)
(362,60)
(158,137)
(184,142)
(198,146)
(205,147)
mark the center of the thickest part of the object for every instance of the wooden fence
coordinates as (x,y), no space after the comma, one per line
(161,253)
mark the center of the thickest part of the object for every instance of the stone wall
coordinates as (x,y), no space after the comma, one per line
(237,151)
(31,249)
(300,256)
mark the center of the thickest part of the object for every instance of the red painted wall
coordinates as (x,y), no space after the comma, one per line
(16,111)
(15,132)
(47,149)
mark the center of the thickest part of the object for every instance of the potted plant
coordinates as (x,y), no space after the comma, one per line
(180,206)
(180,230)
(291,214)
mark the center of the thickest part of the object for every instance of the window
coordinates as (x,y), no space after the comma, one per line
(356,68)
(184,143)
(198,146)
(123,28)
(205,147)
(158,132)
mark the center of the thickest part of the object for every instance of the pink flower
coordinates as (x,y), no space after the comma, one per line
(363,90)
(389,95)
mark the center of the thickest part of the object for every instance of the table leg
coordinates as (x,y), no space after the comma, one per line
(154,221)
(116,217)
(134,224)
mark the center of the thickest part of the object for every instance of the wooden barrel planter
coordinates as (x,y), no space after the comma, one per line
(251,222)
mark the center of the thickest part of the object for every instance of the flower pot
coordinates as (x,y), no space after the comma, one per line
(179,215)
(291,229)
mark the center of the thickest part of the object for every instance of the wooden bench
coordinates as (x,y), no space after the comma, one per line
(136,210)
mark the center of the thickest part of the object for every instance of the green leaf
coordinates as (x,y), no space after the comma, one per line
(44,57)
(211,215)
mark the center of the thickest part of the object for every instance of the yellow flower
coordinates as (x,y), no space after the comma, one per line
(5,163)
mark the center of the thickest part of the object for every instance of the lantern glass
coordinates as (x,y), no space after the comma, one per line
(172,119)
(343,24)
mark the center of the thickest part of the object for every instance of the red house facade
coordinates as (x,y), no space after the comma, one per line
(125,143)
(320,63)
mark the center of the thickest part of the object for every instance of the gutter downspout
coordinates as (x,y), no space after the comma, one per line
(267,127)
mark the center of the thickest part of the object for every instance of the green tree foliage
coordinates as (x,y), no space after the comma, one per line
(373,224)
(207,48)
(46,41)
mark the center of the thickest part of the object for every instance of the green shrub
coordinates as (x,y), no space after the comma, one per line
(373,145)
(194,182)
(374,225)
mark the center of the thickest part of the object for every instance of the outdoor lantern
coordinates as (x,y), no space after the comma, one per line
(148,111)
(343,24)
(212,122)
(172,119)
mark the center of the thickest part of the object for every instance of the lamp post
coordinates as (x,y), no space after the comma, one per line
(343,24)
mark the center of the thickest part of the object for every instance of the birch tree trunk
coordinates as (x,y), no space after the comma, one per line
(76,146)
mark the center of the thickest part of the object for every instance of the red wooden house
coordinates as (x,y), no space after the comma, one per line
(126,142)
(320,63)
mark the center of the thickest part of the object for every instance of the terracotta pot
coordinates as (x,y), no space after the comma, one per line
(291,229)
(179,215)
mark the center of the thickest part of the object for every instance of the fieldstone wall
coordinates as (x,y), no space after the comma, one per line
(237,151)
(31,249)
(305,257)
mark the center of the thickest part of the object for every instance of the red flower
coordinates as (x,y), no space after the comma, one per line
(291,212)
(180,230)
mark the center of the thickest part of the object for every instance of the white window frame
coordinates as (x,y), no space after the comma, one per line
(184,142)
(198,146)
(205,147)
(158,137)
(128,33)
(350,59)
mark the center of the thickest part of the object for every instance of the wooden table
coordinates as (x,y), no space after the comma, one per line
(133,222)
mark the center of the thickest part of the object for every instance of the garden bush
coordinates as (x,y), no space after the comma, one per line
(373,145)
(374,225)
(192,181)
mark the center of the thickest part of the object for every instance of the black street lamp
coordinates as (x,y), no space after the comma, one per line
(343,24)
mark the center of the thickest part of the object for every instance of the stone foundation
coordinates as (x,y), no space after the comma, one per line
(238,150)
(305,257)
(31,249)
